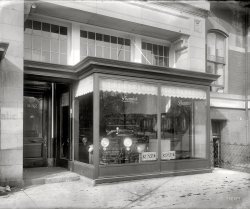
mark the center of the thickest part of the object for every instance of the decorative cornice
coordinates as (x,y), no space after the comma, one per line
(91,65)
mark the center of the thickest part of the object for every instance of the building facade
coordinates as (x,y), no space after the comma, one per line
(114,95)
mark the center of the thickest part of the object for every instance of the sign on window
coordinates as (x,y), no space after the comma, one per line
(170,155)
(148,156)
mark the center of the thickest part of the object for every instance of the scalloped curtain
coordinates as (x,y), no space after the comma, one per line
(128,87)
(175,91)
(85,86)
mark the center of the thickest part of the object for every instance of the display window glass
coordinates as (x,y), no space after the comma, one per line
(183,123)
(85,152)
(128,122)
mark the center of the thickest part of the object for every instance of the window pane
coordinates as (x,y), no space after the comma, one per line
(114,53)
(106,52)
(161,61)
(45,44)
(27,41)
(128,124)
(32,114)
(36,55)
(211,43)
(91,50)
(120,41)
(84,34)
(28,26)
(37,27)
(183,128)
(91,35)
(54,45)
(55,31)
(85,153)
(63,31)
(55,58)
(210,67)
(63,46)
(121,55)
(113,40)
(161,50)
(37,43)
(63,59)
(27,54)
(46,27)
(166,62)
(144,45)
(127,44)
(99,37)
(127,56)
(220,71)
(155,49)
(99,51)
(166,51)
(149,47)
(45,56)
(83,49)
(220,45)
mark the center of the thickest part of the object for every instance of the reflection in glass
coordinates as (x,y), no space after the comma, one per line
(128,122)
(32,126)
(183,127)
(86,128)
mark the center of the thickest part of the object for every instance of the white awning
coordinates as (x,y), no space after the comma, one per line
(128,87)
(183,92)
(85,86)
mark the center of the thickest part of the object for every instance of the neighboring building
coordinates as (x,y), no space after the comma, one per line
(114,95)
(227,31)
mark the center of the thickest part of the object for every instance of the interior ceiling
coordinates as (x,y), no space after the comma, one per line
(49,9)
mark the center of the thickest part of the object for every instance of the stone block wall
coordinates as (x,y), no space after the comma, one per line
(11,93)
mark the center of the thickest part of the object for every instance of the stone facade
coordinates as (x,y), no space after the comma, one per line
(11,93)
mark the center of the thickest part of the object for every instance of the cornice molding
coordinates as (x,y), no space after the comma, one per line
(91,65)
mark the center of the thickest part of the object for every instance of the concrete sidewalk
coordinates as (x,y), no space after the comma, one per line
(220,189)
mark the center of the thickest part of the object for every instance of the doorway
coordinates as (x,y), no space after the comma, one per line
(216,132)
(35,124)
(64,125)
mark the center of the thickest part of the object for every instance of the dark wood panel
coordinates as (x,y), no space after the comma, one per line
(33,150)
(126,169)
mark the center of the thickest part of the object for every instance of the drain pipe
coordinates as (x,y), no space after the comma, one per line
(246,74)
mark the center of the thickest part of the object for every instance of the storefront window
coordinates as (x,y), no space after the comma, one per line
(183,123)
(128,122)
(86,128)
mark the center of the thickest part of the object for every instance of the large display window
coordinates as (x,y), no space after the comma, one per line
(183,123)
(128,122)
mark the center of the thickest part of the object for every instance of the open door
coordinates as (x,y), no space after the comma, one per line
(64,136)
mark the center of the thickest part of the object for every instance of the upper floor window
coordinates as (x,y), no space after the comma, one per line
(45,42)
(106,46)
(216,51)
(154,54)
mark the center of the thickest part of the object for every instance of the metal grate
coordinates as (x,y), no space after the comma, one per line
(230,156)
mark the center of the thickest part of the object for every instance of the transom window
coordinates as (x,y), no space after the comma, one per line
(45,42)
(106,46)
(154,54)
(216,43)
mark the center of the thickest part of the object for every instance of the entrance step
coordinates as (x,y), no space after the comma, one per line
(48,175)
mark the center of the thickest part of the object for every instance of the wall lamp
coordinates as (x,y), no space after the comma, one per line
(3,48)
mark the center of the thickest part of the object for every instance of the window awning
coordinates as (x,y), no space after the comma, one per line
(85,86)
(128,87)
(183,92)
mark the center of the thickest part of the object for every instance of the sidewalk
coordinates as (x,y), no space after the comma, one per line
(220,189)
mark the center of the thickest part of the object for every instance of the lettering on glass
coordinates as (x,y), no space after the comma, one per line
(148,156)
(170,155)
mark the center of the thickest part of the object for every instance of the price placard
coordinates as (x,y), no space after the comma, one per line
(170,155)
(148,156)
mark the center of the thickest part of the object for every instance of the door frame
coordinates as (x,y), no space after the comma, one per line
(42,161)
